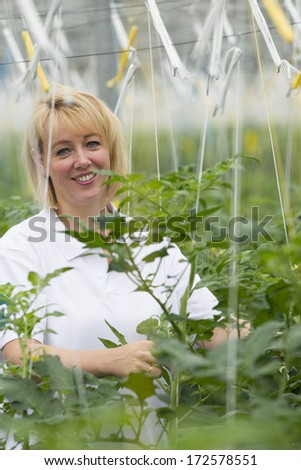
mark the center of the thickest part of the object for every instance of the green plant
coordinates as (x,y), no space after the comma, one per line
(243,394)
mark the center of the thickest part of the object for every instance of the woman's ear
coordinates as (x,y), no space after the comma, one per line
(38,159)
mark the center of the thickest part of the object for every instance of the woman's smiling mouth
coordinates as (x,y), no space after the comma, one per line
(85,179)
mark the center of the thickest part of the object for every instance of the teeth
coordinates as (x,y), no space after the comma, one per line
(85,178)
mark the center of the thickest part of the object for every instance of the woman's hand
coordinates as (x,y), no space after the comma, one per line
(221,335)
(131,358)
(121,361)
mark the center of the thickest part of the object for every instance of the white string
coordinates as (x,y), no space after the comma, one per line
(215,59)
(235,56)
(55,5)
(295,14)
(14,49)
(131,138)
(50,137)
(289,148)
(154,97)
(271,136)
(33,20)
(212,22)
(201,154)
(296,17)
(170,126)
(121,34)
(229,32)
(119,29)
(51,119)
(131,125)
(233,291)
(124,87)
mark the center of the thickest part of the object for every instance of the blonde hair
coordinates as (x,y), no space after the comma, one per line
(75,110)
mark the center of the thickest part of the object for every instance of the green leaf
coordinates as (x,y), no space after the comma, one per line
(55,314)
(3,321)
(34,278)
(208,211)
(108,343)
(118,335)
(120,265)
(142,385)
(148,327)
(177,357)
(60,377)
(105,172)
(24,395)
(155,254)
(166,413)
(4,299)
(39,281)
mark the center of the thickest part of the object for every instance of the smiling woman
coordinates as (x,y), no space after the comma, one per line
(74,159)
(71,136)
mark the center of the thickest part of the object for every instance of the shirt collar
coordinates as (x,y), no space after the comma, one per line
(57,233)
(68,245)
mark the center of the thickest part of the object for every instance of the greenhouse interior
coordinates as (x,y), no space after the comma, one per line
(207,94)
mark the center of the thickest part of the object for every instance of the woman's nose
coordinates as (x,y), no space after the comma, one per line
(81,159)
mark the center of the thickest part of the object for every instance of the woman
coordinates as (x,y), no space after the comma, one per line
(71,135)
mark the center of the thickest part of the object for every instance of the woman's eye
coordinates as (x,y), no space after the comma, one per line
(63,152)
(93,144)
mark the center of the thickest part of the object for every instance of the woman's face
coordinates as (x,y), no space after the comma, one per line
(74,158)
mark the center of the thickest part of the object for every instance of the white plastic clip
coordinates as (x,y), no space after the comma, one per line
(174,59)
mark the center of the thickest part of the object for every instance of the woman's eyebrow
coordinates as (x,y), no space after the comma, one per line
(59,142)
(66,141)
(92,134)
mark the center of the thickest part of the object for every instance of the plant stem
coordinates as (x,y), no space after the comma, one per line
(174,403)
(176,381)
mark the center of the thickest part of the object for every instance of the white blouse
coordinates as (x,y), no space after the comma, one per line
(88,295)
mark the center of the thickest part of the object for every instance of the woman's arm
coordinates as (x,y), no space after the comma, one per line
(221,335)
(120,361)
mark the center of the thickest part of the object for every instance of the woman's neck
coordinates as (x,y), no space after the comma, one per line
(82,220)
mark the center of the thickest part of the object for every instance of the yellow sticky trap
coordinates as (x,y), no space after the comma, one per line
(30,51)
(297,82)
(279,19)
(124,59)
